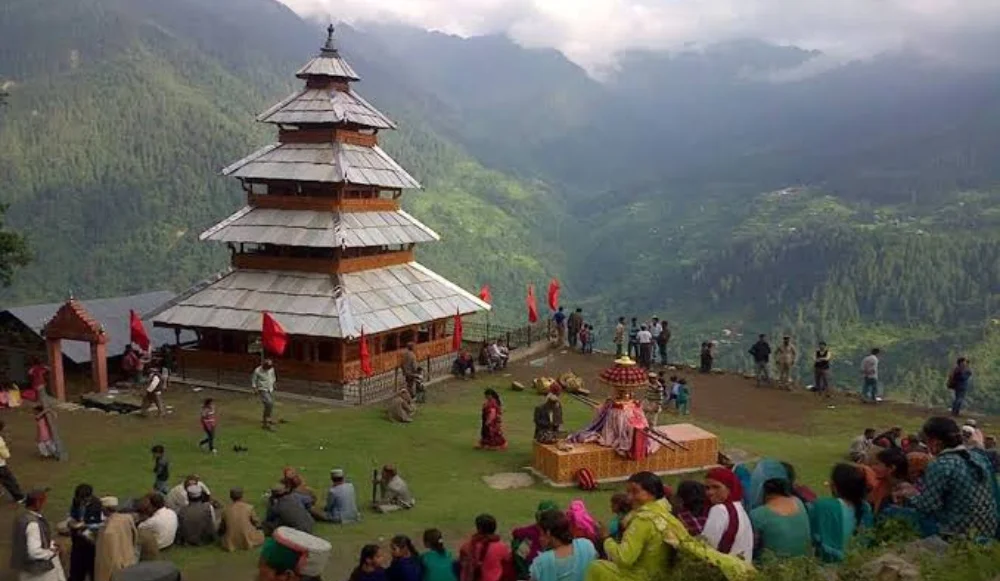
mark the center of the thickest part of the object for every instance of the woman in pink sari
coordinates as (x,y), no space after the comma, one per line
(581,524)
(491,432)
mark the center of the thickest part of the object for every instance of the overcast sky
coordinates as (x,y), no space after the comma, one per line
(591,31)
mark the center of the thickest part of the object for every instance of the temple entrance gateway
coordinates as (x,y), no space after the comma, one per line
(73,323)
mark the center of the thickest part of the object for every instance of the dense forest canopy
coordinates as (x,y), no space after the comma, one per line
(859,206)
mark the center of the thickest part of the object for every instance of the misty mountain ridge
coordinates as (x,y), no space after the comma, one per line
(649,190)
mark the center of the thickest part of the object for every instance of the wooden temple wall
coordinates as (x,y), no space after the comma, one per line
(324,266)
(322,371)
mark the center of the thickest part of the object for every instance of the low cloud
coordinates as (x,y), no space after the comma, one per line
(593,32)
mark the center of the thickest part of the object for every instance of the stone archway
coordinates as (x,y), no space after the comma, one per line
(73,323)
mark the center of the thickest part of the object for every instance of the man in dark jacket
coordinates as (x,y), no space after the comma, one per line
(959,381)
(574,323)
(286,511)
(196,521)
(761,353)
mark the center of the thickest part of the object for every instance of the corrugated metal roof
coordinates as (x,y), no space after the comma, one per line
(326,106)
(323,162)
(111,313)
(328,64)
(320,305)
(318,229)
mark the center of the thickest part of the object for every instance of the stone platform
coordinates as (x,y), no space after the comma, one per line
(559,468)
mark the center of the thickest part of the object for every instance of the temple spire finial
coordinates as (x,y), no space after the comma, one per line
(330,46)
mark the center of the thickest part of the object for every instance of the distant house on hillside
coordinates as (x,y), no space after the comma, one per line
(21,337)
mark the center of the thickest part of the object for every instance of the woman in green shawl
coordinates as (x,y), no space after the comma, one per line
(834,521)
(654,540)
(766,469)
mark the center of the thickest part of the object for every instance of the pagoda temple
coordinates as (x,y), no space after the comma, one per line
(323,245)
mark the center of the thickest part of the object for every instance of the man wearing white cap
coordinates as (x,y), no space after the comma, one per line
(292,555)
(341,500)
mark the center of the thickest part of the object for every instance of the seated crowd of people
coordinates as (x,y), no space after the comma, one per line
(106,535)
(942,484)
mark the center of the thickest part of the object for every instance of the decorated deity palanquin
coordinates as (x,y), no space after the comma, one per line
(323,245)
(606,446)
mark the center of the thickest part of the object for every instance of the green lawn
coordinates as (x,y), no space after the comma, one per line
(435,454)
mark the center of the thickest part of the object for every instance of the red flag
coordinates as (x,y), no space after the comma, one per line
(456,338)
(137,333)
(273,337)
(366,358)
(532,306)
(554,294)
(484,294)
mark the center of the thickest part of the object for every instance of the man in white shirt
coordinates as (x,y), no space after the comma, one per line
(177,498)
(263,381)
(645,339)
(163,522)
(498,355)
(34,555)
(869,372)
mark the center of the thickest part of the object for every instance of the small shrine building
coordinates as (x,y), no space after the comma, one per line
(323,245)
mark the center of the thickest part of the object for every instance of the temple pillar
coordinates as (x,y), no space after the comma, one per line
(57,383)
(99,366)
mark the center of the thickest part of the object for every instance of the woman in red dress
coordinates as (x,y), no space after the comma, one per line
(491,432)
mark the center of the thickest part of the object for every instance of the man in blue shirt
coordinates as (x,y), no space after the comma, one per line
(633,340)
(560,321)
(341,500)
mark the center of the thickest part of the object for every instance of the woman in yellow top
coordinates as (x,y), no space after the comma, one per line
(652,535)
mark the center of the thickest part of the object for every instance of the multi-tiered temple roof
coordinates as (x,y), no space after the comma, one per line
(322,243)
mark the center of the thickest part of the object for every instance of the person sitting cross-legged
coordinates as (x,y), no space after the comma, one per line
(287,510)
(395,493)
(240,528)
(341,500)
(196,521)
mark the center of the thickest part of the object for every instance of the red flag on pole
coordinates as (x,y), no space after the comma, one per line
(273,337)
(532,306)
(554,294)
(456,338)
(484,294)
(366,358)
(137,332)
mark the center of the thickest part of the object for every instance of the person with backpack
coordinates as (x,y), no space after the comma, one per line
(485,557)
(959,382)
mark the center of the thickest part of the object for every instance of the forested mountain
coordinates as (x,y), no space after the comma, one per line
(122,112)
(731,189)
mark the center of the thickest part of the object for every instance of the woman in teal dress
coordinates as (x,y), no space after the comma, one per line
(438,564)
(835,520)
(567,558)
(780,522)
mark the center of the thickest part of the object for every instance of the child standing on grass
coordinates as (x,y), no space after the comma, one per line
(43,432)
(208,422)
(161,469)
(683,397)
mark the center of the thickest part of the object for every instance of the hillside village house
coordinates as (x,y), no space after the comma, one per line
(22,339)
(323,245)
